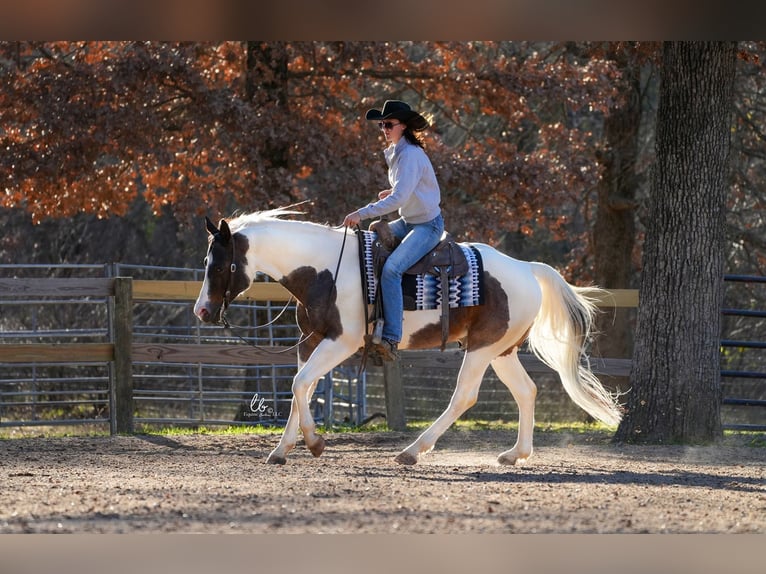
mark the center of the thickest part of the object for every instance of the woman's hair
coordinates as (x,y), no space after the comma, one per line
(410,136)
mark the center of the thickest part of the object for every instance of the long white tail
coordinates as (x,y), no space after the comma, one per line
(559,336)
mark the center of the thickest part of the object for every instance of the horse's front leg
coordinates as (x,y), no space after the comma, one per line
(290,434)
(327,355)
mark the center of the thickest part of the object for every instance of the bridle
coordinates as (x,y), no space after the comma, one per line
(227,299)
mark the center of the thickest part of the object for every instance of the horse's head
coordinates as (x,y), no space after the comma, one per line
(225,276)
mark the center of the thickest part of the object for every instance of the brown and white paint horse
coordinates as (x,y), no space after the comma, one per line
(524,301)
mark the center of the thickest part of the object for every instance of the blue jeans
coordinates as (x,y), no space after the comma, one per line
(417,240)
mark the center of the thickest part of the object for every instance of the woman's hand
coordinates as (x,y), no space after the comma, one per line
(385,193)
(352,219)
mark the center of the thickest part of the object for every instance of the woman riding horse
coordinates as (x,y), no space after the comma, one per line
(414,192)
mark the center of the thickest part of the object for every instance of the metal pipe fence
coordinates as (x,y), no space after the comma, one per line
(192,394)
(208,393)
(743,364)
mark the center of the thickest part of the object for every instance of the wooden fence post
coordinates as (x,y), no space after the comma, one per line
(121,416)
(392,384)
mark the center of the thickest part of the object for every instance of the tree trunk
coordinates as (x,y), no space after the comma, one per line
(675,391)
(266,87)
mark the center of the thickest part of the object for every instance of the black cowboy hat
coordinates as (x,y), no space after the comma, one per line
(399,110)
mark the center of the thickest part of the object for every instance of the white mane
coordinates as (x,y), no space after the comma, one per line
(258,216)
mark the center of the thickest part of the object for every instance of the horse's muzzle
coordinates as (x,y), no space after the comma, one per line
(204,315)
(208,315)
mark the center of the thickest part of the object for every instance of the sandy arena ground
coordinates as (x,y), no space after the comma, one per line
(219,483)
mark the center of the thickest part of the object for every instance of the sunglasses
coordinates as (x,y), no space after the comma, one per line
(387,125)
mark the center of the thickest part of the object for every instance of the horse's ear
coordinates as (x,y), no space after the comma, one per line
(211,228)
(225,231)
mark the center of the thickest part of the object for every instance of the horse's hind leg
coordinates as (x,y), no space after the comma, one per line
(464,397)
(513,375)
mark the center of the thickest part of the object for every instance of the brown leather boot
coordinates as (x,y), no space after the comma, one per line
(388,350)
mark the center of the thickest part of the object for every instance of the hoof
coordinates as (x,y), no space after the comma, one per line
(506,460)
(406,458)
(510,458)
(318,447)
(275,459)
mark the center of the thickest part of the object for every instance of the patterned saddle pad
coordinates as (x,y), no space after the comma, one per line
(424,291)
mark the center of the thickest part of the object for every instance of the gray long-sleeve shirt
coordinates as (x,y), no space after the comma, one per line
(415,192)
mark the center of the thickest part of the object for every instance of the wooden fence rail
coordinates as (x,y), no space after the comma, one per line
(121,351)
(118,292)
